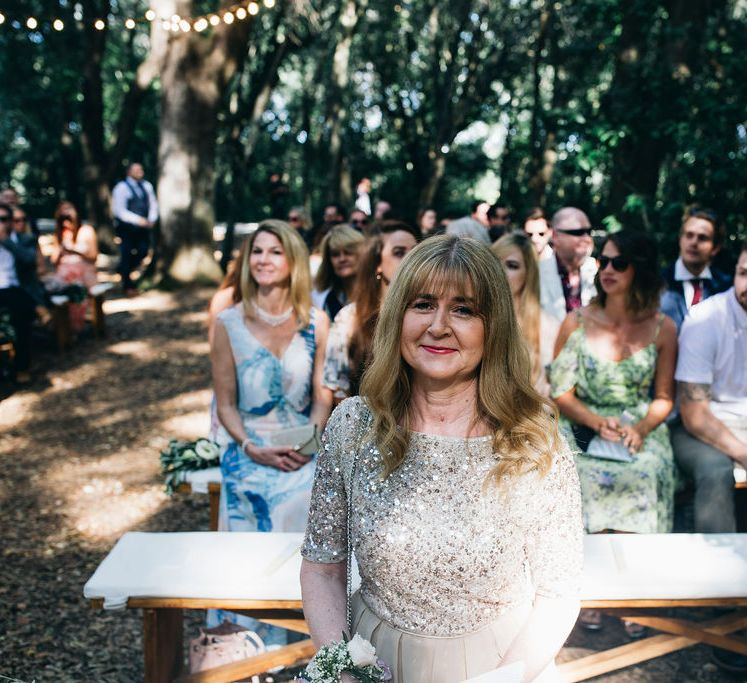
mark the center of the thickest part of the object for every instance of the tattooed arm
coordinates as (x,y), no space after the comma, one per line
(695,409)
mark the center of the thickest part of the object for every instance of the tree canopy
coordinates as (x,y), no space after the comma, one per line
(630,109)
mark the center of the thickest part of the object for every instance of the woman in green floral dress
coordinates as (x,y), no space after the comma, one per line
(611,353)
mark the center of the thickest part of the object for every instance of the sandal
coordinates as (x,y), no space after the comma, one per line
(590,619)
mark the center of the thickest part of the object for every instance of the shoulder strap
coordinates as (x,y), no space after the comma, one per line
(362,428)
(659,323)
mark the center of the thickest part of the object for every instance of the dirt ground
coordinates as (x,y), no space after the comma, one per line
(79,459)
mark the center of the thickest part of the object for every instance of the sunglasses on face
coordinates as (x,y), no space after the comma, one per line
(5,219)
(576,232)
(619,263)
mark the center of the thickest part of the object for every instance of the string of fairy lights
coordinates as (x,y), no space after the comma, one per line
(173,23)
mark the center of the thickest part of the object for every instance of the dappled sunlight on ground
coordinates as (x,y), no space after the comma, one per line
(149,301)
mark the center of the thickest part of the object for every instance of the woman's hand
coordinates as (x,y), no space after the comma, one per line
(279,457)
(631,437)
(609,428)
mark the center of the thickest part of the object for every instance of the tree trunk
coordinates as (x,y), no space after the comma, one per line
(196,71)
(339,183)
(432,184)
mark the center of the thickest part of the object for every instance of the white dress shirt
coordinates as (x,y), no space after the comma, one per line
(683,275)
(122,192)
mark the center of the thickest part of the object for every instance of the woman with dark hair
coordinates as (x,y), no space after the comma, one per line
(75,254)
(349,345)
(610,354)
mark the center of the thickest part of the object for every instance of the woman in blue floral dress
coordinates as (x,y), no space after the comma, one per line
(612,353)
(267,354)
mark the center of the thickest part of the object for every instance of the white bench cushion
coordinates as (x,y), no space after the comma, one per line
(199,479)
(257,566)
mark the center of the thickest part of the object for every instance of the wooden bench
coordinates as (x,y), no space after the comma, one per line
(634,576)
(60,305)
(205,481)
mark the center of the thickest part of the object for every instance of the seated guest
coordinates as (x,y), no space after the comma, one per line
(567,278)
(540,232)
(29,274)
(297,220)
(690,279)
(333,215)
(519,260)
(15,257)
(499,221)
(75,255)
(359,221)
(349,344)
(336,275)
(610,355)
(711,434)
(427,221)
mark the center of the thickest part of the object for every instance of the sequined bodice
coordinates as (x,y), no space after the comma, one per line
(438,552)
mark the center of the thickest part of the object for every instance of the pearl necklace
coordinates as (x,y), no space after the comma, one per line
(269,318)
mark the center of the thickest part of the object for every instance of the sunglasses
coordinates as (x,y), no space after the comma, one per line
(619,263)
(576,232)
(5,219)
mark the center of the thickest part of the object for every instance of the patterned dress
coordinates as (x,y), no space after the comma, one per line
(637,496)
(271,394)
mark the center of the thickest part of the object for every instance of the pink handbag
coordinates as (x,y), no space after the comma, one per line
(222,645)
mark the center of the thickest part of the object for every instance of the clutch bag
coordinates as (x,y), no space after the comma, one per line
(304,439)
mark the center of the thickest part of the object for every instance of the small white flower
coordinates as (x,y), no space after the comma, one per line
(189,454)
(206,450)
(361,651)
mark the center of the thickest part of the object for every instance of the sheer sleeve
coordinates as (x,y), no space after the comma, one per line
(326,530)
(336,375)
(555,543)
(563,370)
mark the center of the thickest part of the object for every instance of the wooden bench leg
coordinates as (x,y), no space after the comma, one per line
(214,493)
(163,644)
(97,315)
(62,330)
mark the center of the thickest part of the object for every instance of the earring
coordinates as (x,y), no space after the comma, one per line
(378,276)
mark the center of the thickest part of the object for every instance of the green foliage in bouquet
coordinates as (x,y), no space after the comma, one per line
(187,456)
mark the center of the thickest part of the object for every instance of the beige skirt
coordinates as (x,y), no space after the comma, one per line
(417,658)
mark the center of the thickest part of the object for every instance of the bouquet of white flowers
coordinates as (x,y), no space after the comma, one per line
(187,456)
(356,657)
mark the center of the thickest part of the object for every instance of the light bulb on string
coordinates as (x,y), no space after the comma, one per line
(241,14)
(269,4)
(31,23)
(2,18)
(201,24)
(150,15)
(58,25)
(253,8)
(228,18)
(214,20)
(185,26)
(165,24)
(129,24)
(99,24)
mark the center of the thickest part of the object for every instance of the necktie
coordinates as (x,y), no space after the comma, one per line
(697,291)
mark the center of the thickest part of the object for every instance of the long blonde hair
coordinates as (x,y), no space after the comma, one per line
(523,423)
(298,261)
(339,237)
(528,314)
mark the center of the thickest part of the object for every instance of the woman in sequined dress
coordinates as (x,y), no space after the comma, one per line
(465,505)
